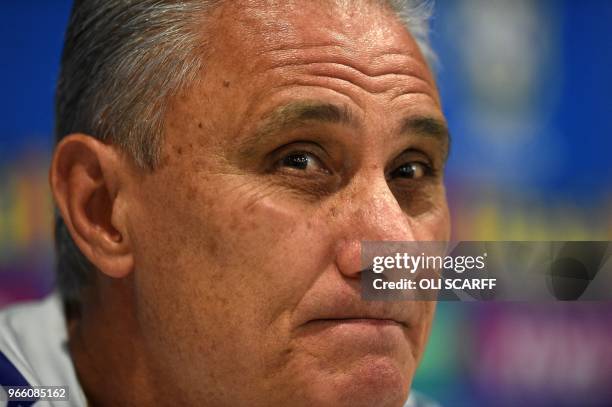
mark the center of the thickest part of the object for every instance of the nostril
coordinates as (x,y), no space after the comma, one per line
(348,257)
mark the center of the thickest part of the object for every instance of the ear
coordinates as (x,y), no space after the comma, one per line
(85,178)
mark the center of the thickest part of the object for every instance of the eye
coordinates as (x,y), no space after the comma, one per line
(302,161)
(411,170)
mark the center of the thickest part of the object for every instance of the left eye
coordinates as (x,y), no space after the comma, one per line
(411,170)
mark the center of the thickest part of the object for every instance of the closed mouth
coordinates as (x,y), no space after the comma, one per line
(359,320)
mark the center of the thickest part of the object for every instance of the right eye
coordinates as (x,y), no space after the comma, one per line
(305,168)
(302,161)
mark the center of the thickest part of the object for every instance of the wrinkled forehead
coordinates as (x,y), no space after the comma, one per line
(365,29)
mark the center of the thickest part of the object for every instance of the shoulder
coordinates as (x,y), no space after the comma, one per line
(33,346)
(23,328)
(417,399)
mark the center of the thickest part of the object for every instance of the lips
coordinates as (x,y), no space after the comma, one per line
(362,321)
(352,309)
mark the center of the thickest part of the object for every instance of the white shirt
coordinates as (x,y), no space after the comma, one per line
(33,339)
(33,349)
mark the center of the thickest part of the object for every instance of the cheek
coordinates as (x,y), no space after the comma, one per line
(275,249)
(434,225)
(220,261)
(233,237)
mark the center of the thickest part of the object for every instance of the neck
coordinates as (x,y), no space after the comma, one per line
(107,350)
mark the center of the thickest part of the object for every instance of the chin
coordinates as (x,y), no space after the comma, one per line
(373,381)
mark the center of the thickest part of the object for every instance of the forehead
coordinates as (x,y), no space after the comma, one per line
(366,31)
(264,55)
(310,20)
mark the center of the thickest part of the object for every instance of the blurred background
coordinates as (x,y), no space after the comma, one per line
(526,88)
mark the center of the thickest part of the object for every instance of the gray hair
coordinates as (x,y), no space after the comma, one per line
(122,61)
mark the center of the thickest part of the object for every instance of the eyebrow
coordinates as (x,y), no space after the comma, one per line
(312,111)
(296,114)
(428,127)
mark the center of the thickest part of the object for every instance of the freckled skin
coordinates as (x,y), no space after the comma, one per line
(231,260)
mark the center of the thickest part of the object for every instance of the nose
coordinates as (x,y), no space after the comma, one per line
(370,212)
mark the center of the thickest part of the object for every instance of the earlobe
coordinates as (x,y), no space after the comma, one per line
(86,186)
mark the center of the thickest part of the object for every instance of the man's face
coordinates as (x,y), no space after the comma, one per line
(311,128)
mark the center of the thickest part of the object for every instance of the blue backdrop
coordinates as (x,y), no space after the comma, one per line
(526,88)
